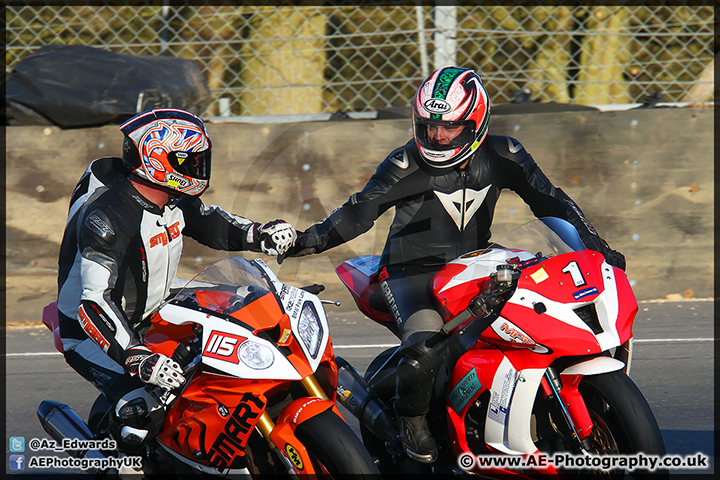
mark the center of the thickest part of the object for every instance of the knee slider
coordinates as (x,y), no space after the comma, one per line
(428,348)
(136,418)
(411,372)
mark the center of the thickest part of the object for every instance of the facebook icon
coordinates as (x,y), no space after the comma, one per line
(17,462)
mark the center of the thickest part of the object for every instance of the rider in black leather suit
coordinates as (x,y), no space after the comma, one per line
(444,185)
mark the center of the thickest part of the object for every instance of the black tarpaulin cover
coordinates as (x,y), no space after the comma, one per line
(78,86)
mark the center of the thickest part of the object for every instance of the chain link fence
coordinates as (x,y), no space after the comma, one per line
(284,60)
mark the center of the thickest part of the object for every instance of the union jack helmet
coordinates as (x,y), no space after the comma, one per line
(170,148)
(451,97)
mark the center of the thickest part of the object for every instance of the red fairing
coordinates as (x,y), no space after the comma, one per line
(52,322)
(553,277)
(453,300)
(480,365)
(628,306)
(561,338)
(361,286)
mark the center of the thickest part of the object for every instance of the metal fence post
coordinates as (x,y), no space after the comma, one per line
(422,40)
(445,37)
(165,12)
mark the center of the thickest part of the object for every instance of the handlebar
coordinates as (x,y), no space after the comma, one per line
(484,304)
(314,289)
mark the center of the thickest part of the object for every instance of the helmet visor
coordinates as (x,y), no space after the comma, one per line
(191,164)
(424,134)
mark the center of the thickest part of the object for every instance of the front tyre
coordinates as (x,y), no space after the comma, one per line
(623,422)
(333,447)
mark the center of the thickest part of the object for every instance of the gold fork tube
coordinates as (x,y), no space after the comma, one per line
(266,425)
(313,387)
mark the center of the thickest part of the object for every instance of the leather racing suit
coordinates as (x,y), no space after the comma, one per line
(118,257)
(439,215)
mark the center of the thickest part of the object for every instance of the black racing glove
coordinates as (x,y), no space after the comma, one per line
(308,242)
(615,258)
(612,257)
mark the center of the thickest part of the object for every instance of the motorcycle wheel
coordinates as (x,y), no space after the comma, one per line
(623,422)
(334,448)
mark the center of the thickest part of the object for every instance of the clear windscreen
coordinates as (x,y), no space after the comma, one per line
(233,275)
(542,237)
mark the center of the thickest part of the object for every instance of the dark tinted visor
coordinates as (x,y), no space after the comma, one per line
(423,137)
(191,164)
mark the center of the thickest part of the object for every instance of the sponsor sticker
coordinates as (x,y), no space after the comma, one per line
(585,292)
(285,335)
(346,398)
(540,276)
(294,456)
(230,443)
(500,400)
(464,391)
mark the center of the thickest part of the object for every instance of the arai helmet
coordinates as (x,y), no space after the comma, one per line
(451,97)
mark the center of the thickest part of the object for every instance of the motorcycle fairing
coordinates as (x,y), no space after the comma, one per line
(512,395)
(464,278)
(213,419)
(281,368)
(51,320)
(554,334)
(204,468)
(283,435)
(295,301)
(360,276)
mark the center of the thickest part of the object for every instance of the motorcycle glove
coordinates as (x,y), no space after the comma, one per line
(276,237)
(157,369)
(308,242)
(613,257)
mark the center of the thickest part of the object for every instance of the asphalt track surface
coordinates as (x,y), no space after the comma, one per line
(673,365)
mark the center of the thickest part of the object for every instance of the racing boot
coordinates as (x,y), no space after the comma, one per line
(422,355)
(417,441)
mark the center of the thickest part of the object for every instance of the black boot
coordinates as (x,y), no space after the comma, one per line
(419,444)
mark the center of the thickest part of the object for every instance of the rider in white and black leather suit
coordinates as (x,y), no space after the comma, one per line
(120,253)
(444,185)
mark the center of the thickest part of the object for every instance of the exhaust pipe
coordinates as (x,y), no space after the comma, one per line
(60,422)
(370,411)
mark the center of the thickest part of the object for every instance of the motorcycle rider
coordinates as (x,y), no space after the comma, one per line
(120,252)
(444,184)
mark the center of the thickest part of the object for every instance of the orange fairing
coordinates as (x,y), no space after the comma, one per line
(283,435)
(163,337)
(263,313)
(302,409)
(214,418)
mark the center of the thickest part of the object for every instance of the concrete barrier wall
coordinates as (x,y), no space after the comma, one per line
(644,178)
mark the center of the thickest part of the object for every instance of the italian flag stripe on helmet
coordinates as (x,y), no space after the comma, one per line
(444,81)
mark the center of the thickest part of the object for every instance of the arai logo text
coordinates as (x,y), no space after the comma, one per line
(437,105)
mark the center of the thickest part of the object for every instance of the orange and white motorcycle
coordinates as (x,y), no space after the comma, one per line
(261,382)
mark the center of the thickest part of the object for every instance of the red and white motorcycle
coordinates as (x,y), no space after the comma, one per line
(539,344)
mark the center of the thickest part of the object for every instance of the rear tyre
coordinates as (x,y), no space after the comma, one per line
(334,448)
(623,422)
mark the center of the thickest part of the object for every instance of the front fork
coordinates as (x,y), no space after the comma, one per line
(266,425)
(565,397)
